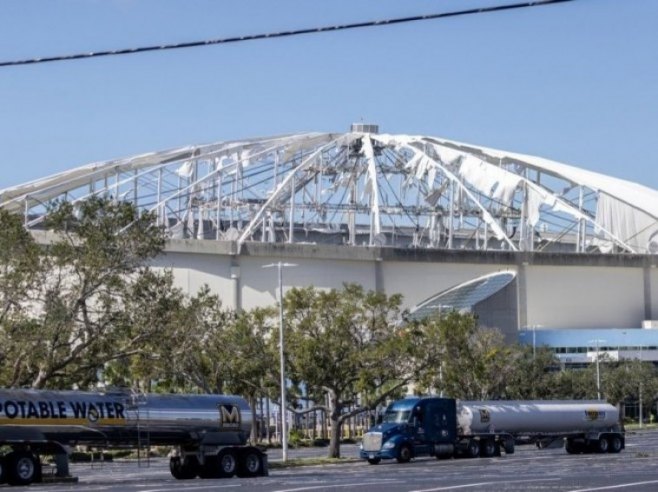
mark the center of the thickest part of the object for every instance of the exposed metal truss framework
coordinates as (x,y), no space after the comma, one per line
(362,188)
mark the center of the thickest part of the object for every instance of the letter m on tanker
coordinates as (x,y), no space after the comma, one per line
(229,417)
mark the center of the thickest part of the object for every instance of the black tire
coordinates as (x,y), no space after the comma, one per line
(228,463)
(404,454)
(570,447)
(602,445)
(616,444)
(184,469)
(573,447)
(210,468)
(250,463)
(374,461)
(487,448)
(508,446)
(23,468)
(472,449)
(3,469)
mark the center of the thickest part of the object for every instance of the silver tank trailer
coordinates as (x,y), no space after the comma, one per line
(74,417)
(535,417)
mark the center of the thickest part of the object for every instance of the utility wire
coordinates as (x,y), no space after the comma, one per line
(282,34)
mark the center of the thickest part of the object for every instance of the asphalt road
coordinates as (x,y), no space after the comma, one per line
(634,469)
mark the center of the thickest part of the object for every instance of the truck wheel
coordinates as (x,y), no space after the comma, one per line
(602,445)
(487,448)
(250,464)
(3,469)
(210,468)
(23,468)
(374,461)
(472,449)
(573,447)
(508,445)
(616,444)
(183,469)
(404,455)
(228,463)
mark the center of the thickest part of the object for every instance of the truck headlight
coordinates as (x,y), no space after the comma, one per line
(388,445)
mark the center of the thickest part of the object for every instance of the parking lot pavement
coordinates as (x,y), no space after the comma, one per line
(635,468)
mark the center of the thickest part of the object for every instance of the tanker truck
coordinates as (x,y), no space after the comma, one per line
(445,427)
(208,433)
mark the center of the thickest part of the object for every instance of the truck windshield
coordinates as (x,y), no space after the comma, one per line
(396,417)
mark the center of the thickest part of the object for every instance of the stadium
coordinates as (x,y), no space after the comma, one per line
(534,247)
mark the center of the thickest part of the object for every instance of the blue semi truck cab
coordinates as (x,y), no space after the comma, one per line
(412,427)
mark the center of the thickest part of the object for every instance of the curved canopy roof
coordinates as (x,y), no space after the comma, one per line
(463,297)
(363,188)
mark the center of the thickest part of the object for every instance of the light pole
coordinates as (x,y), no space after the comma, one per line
(284,433)
(640,392)
(598,372)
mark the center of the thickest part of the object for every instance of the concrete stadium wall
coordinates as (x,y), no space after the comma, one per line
(553,290)
(259,285)
(584,297)
(418,281)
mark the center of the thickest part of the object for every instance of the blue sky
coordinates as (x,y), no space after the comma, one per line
(576,82)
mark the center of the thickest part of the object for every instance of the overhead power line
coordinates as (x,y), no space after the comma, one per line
(282,34)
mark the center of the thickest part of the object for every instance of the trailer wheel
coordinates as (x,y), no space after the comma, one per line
(23,468)
(508,445)
(184,469)
(472,449)
(487,448)
(228,463)
(374,461)
(616,444)
(250,464)
(210,468)
(602,445)
(404,455)
(570,446)
(574,447)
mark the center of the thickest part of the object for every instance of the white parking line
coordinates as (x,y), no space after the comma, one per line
(335,486)
(209,486)
(618,486)
(480,484)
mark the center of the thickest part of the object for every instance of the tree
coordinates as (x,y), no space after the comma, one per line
(153,310)
(456,357)
(19,274)
(533,374)
(342,345)
(631,380)
(73,308)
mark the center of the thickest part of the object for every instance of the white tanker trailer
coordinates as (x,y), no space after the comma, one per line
(444,427)
(209,432)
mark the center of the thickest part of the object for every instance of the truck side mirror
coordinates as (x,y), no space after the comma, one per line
(380,419)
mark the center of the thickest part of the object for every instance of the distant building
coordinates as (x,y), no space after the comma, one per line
(580,347)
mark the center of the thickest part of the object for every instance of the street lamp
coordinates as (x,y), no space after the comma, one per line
(598,373)
(284,433)
(534,338)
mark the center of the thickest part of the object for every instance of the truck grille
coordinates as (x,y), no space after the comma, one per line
(372,441)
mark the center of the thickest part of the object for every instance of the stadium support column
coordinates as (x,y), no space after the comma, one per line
(236,287)
(522,292)
(649,312)
(379,274)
